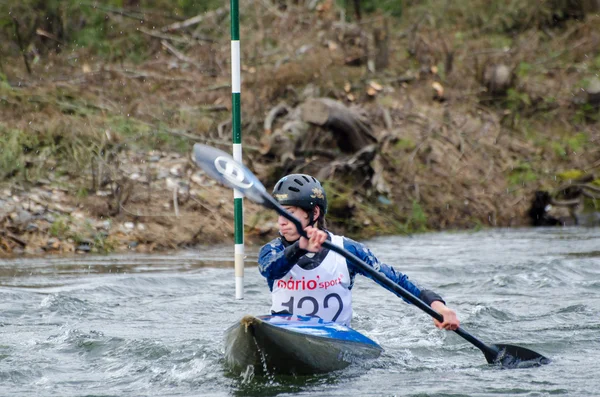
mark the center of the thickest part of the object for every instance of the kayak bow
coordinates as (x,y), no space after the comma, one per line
(292,344)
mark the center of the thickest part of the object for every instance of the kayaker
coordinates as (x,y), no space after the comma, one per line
(307,279)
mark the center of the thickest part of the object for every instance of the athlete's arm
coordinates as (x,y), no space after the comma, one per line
(275,260)
(361,251)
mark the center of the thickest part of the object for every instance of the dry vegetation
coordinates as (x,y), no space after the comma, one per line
(472,106)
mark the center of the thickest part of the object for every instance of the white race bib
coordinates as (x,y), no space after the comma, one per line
(322,291)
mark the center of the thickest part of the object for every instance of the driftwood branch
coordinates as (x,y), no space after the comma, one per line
(279,110)
(221,128)
(178,54)
(139,16)
(195,20)
(140,74)
(565,203)
(14,238)
(571,196)
(173,38)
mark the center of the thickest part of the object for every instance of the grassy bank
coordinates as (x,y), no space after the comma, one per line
(84,83)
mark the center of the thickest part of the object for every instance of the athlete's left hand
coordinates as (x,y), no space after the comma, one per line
(450,322)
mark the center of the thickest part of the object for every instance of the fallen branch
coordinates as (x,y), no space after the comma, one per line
(221,127)
(590,195)
(14,238)
(214,108)
(178,54)
(137,214)
(214,87)
(195,20)
(122,12)
(175,203)
(55,207)
(198,138)
(596,164)
(173,38)
(565,203)
(279,110)
(136,74)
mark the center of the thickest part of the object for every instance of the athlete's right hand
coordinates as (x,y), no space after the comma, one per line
(316,238)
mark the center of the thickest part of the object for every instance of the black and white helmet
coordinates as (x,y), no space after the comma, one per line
(301,190)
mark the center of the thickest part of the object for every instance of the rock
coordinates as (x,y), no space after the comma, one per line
(86,241)
(593,92)
(497,78)
(171,184)
(63,209)
(31,227)
(181,186)
(78,215)
(102,225)
(199,178)
(53,244)
(162,173)
(21,217)
(57,195)
(176,170)
(83,248)
(37,209)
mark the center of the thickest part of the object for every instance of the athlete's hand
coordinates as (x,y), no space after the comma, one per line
(450,322)
(316,238)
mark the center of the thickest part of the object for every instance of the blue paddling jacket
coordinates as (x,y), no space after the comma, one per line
(276,258)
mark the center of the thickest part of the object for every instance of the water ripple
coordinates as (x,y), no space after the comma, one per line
(152,325)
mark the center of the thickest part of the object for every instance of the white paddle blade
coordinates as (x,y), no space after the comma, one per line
(223,168)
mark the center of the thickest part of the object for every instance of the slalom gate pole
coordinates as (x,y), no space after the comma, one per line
(236,118)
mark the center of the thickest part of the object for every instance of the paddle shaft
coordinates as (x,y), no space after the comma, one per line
(405,294)
(382,279)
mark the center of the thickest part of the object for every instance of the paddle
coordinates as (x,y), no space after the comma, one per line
(222,167)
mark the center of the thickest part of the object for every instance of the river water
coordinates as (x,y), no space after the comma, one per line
(152,325)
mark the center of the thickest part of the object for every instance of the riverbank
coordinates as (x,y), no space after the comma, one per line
(179,208)
(457,127)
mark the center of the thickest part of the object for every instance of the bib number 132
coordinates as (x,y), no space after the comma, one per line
(305,301)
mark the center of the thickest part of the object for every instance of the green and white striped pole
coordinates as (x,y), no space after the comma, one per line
(236,114)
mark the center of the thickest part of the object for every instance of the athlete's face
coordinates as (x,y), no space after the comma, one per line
(286,228)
